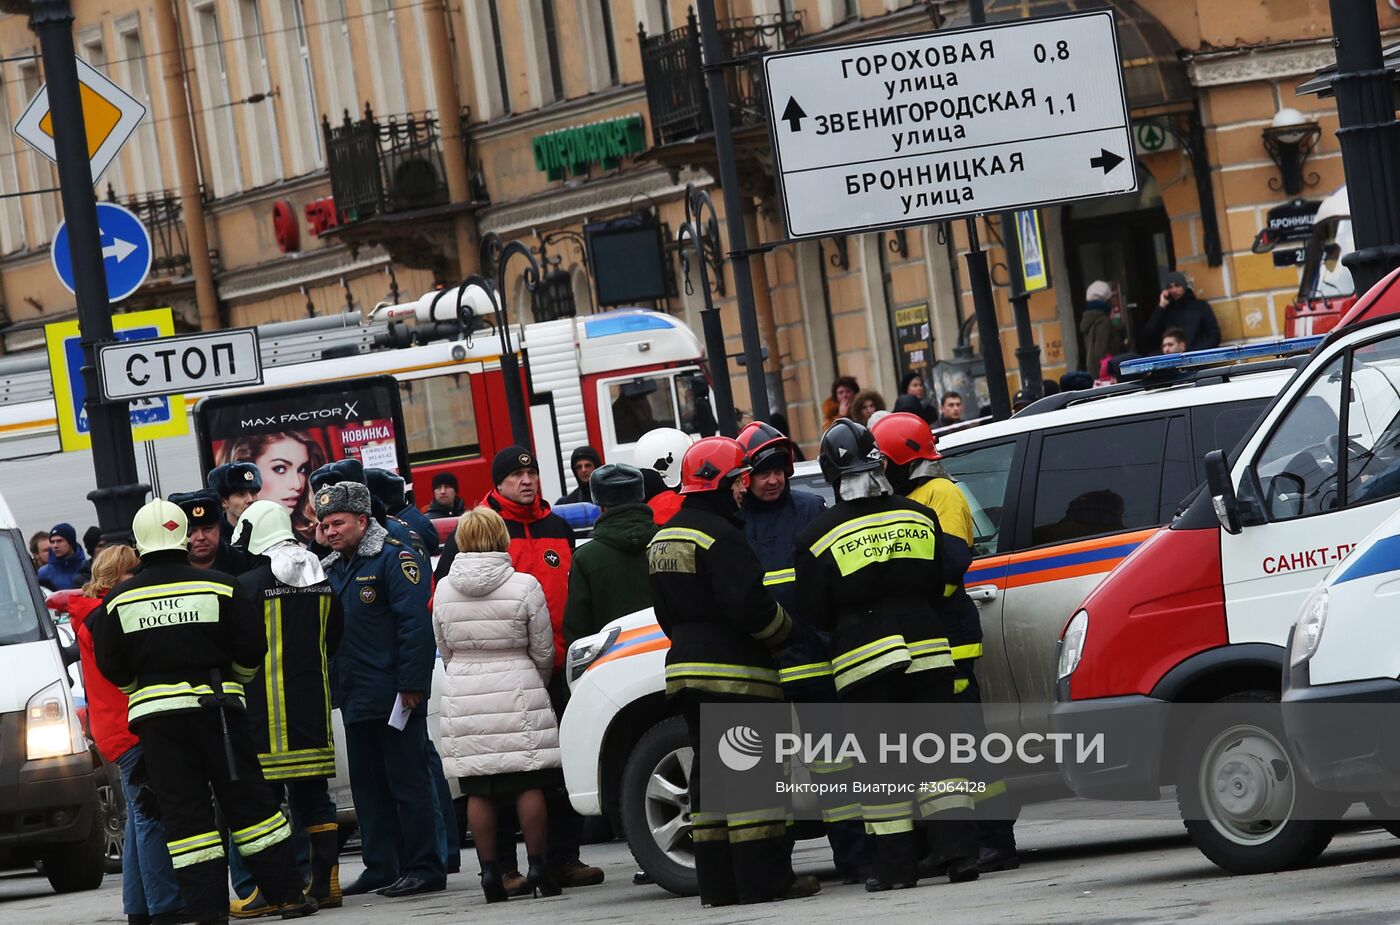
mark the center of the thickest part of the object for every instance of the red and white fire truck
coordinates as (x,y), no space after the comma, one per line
(601,380)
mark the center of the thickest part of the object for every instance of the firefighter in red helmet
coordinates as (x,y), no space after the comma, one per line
(724,628)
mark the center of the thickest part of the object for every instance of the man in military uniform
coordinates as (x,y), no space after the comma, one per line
(724,626)
(289,706)
(237,484)
(389,488)
(384,660)
(181,642)
(208,548)
(352,470)
(873,573)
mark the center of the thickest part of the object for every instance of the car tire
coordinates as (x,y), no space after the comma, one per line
(1242,832)
(112,806)
(80,865)
(655,804)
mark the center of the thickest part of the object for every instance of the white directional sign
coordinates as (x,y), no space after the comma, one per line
(175,365)
(921,128)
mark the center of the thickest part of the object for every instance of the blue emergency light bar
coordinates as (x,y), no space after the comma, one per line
(1197,358)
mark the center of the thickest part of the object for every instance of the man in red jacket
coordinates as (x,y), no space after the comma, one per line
(542,545)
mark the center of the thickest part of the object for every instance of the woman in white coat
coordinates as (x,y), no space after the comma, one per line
(499,735)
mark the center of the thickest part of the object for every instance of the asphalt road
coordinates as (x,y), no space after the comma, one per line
(1084,872)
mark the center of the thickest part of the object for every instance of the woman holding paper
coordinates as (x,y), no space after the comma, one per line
(499,735)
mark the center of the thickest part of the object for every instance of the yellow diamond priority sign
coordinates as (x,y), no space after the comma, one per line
(110,115)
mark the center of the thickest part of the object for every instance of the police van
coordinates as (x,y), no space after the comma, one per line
(1201,612)
(1060,494)
(49,773)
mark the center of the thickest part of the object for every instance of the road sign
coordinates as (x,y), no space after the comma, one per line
(110,116)
(126,251)
(172,365)
(914,129)
(1035,263)
(151,418)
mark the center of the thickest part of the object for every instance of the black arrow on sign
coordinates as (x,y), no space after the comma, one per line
(793,114)
(1105,159)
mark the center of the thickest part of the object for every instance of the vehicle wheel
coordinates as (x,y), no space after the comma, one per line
(81,864)
(655,800)
(1239,795)
(113,809)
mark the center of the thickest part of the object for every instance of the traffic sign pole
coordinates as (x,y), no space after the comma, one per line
(118,495)
(733,213)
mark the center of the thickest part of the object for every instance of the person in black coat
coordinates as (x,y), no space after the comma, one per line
(1178,307)
(582,461)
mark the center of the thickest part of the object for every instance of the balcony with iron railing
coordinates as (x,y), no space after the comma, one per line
(675,82)
(160,212)
(382,165)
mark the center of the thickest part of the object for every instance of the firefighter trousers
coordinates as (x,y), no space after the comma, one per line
(996,813)
(840,810)
(185,759)
(889,822)
(739,857)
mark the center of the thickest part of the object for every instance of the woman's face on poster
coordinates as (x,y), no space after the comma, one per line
(285,465)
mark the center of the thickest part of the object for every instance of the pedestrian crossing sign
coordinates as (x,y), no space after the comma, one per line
(110,116)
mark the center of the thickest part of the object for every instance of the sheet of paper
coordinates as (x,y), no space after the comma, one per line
(380,456)
(398,717)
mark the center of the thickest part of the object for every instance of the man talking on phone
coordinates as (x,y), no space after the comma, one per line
(1178,307)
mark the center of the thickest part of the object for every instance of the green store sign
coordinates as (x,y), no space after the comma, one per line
(576,148)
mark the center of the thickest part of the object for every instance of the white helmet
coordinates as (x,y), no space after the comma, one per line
(159,526)
(662,450)
(263,525)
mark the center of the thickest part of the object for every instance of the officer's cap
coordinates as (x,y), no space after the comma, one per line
(342,497)
(202,508)
(235,476)
(342,470)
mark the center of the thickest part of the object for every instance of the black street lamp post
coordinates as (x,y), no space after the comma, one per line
(697,205)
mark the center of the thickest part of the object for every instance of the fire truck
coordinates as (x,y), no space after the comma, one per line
(602,380)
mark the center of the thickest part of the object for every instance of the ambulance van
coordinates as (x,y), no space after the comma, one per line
(1201,611)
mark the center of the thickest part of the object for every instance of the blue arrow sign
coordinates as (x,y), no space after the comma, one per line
(126,252)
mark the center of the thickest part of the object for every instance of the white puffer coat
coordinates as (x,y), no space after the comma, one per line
(497,644)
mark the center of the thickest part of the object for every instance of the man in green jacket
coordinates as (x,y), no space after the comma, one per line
(609,575)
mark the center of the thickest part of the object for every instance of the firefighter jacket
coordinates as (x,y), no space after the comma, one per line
(871,573)
(944,498)
(772,529)
(165,636)
(388,642)
(541,544)
(289,702)
(707,586)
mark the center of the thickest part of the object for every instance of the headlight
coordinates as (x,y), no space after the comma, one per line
(1072,643)
(50,728)
(1308,633)
(586,651)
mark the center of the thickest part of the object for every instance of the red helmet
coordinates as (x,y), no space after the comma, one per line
(709,462)
(763,442)
(905,437)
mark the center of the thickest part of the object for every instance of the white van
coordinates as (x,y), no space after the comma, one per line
(48,771)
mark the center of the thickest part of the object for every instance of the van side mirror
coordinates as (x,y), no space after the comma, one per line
(1222,492)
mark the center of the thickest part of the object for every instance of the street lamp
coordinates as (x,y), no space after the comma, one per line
(700,212)
(554,299)
(1290,140)
(497,254)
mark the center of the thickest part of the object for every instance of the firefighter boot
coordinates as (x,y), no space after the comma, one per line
(325,865)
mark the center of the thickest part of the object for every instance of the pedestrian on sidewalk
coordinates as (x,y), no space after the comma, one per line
(66,559)
(499,733)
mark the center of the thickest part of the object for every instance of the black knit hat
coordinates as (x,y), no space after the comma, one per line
(511,459)
(585,452)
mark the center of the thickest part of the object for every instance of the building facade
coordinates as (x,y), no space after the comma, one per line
(343,153)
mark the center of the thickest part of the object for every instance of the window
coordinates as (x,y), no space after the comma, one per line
(12,207)
(42,174)
(982,475)
(500,53)
(1099,480)
(19,616)
(599,43)
(388,70)
(852,9)
(439,418)
(609,40)
(301,115)
(220,144)
(1373,423)
(142,152)
(1297,468)
(640,405)
(551,47)
(259,119)
(1222,427)
(334,27)
(1178,475)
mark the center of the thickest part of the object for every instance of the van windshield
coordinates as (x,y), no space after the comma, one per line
(19,617)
